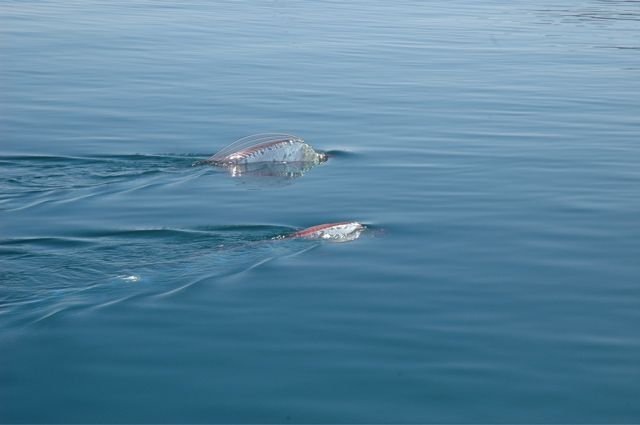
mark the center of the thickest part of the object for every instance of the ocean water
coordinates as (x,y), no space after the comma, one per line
(492,149)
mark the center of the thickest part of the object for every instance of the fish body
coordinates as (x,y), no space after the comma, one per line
(267,148)
(335,232)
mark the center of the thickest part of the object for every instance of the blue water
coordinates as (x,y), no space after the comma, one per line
(491,147)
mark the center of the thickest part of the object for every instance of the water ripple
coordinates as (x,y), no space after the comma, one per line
(44,276)
(31,181)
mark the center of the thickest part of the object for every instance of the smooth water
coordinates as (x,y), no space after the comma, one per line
(491,147)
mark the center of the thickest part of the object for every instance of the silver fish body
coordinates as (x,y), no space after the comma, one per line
(267,148)
(334,232)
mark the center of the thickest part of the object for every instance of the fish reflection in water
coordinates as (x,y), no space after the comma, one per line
(289,170)
(268,155)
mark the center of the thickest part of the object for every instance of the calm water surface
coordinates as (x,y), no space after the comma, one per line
(492,148)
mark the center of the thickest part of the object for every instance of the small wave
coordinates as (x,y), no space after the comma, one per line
(44,277)
(46,242)
(30,181)
(99,157)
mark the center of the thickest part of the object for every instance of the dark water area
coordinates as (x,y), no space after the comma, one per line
(491,148)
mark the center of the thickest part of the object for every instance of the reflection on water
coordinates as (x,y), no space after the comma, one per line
(270,173)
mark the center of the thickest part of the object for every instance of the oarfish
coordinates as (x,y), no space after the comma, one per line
(335,232)
(267,147)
